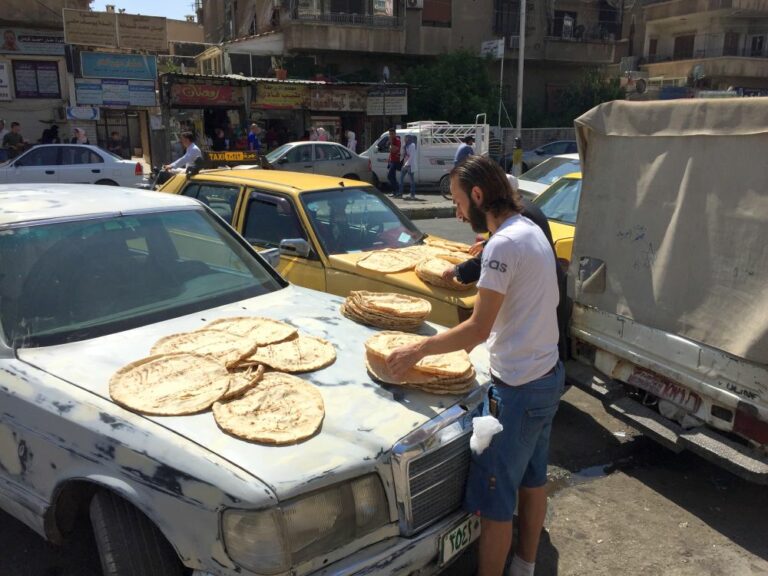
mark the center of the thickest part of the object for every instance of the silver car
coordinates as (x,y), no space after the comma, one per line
(535,157)
(92,277)
(326,158)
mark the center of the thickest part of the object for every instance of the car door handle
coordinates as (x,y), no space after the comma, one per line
(50,171)
(96,170)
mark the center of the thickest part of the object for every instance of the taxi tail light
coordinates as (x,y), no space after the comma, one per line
(138,170)
(748,424)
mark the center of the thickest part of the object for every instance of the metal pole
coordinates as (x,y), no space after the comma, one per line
(501,81)
(520,67)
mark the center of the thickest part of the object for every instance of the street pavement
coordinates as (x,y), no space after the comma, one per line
(619,504)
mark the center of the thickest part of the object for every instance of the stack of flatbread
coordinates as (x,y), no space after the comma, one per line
(431,271)
(223,364)
(386,310)
(447,244)
(451,373)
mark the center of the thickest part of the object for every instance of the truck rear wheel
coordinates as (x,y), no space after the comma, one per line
(129,544)
(445,186)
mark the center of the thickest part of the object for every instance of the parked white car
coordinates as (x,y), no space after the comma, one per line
(72,164)
(91,279)
(536,180)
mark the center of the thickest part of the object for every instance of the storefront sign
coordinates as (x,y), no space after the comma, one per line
(329,99)
(124,66)
(5,80)
(387,101)
(90,28)
(142,33)
(206,95)
(23,41)
(278,96)
(36,79)
(82,113)
(115,92)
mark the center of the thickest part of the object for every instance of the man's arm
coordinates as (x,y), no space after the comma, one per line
(465,336)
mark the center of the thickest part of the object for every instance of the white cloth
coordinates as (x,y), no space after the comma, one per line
(410,157)
(191,154)
(519,263)
(351,141)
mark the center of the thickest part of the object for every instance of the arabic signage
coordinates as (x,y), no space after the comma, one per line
(90,28)
(338,99)
(83,113)
(493,49)
(387,101)
(5,80)
(23,41)
(36,79)
(277,96)
(115,92)
(127,66)
(115,30)
(142,33)
(206,95)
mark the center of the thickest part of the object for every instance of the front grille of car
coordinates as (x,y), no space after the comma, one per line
(436,482)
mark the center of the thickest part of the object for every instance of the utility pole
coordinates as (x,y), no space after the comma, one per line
(502,51)
(517,153)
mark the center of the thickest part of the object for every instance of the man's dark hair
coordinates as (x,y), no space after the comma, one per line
(189,136)
(469,139)
(13,124)
(392,130)
(498,194)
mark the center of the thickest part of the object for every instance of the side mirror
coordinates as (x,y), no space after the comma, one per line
(295,247)
(272,256)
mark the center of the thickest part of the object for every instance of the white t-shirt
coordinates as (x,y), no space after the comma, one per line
(518,262)
(410,157)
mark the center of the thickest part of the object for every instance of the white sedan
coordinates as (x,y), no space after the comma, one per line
(73,164)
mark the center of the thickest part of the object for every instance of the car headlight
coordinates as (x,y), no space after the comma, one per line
(272,541)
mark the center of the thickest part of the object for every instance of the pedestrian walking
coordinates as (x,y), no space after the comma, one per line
(409,167)
(219,142)
(50,135)
(393,165)
(515,312)
(13,141)
(464,150)
(79,136)
(351,142)
(254,143)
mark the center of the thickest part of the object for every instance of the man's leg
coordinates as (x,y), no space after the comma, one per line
(403,172)
(391,176)
(532,510)
(493,547)
(413,182)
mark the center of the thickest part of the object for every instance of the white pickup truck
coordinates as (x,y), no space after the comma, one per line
(436,145)
(669,274)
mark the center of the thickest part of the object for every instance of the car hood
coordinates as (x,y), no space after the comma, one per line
(363,419)
(404,281)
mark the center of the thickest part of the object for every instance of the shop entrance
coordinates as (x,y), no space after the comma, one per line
(127,141)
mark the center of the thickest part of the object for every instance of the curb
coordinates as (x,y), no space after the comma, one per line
(428,212)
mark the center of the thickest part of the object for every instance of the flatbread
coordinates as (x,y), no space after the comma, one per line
(387,262)
(260,331)
(368,318)
(225,347)
(451,365)
(241,381)
(170,384)
(431,272)
(449,244)
(282,409)
(303,354)
(377,368)
(393,304)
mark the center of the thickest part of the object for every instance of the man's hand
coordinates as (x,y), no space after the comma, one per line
(166,166)
(402,359)
(476,248)
(449,273)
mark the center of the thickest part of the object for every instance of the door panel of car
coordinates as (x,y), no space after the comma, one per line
(268,219)
(80,164)
(40,164)
(329,160)
(297,159)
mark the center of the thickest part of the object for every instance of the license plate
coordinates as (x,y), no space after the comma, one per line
(458,538)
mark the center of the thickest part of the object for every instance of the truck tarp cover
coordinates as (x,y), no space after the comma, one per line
(675,203)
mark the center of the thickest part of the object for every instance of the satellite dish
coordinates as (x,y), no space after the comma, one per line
(385,73)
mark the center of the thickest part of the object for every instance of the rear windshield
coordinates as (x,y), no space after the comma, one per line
(74,280)
(561,200)
(550,170)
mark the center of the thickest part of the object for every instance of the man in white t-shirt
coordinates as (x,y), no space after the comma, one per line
(409,167)
(515,312)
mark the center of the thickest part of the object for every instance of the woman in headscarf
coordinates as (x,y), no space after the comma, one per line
(322,135)
(79,137)
(351,141)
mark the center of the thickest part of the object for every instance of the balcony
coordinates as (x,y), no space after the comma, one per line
(312,26)
(581,51)
(676,9)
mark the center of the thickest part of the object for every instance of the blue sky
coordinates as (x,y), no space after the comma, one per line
(169,8)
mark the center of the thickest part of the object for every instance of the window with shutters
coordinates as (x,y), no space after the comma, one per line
(437,13)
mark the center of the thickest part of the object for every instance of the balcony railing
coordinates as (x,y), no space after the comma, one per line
(716,47)
(292,12)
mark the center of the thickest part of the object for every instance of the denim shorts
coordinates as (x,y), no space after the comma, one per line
(518,455)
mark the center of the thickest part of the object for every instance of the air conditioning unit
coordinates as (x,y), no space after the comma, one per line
(415,4)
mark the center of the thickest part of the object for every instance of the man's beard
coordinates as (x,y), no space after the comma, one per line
(477,219)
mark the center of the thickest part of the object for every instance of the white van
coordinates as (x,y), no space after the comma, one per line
(436,145)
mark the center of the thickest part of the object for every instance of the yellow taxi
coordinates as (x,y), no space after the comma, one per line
(560,204)
(322,226)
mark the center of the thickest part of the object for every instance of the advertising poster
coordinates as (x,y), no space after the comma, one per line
(34,42)
(125,66)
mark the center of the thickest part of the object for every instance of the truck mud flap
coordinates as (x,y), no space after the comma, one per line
(704,441)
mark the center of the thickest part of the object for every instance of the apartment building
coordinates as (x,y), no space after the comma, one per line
(708,44)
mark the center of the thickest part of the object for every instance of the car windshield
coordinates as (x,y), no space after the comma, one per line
(561,200)
(277,152)
(550,170)
(356,220)
(68,281)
